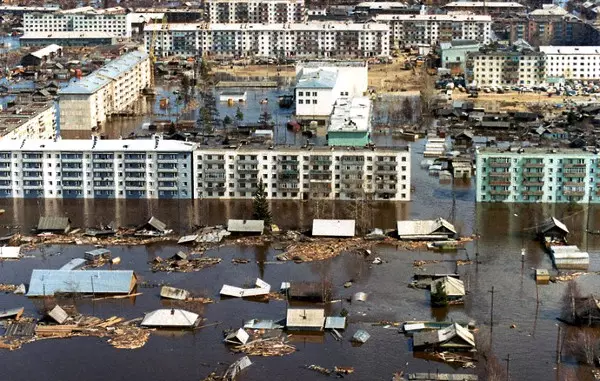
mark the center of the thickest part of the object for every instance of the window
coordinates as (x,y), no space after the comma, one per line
(314,101)
(300,101)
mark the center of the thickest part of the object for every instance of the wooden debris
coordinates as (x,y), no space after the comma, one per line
(319,369)
(343,369)
(240,261)
(7,287)
(275,346)
(187,265)
(568,277)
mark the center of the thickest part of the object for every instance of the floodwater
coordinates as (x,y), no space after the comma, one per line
(504,230)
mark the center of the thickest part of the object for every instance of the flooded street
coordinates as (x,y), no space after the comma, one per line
(504,230)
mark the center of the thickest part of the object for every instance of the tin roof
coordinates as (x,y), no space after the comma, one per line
(422,227)
(443,335)
(320,79)
(245,226)
(174,293)
(170,318)
(334,228)
(53,223)
(335,322)
(305,318)
(73,264)
(50,49)
(452,286)
(58,314)
(49,282)
(10,252)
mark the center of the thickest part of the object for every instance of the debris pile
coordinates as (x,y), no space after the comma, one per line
(569,277)
(183,265)
(7,287)
(274,346)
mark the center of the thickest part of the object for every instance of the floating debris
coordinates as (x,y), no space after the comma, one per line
(7,287)
(343,369)
(319,369)
(275,346)
(240,261)
(183,265)
(361,336)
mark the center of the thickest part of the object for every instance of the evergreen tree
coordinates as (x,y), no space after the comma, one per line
(239,115)
(439,298)
(261,205)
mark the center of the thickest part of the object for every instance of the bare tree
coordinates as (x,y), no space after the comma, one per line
(491,368)
(570,299)
(584,346)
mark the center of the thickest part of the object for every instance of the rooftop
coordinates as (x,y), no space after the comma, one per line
(549,10)
(483,4)
(333,228)
(46,51)
(459,44)
(381,5)
(104,75)
(332,63)
(49,282)
(538,151)
(351,115)
(15,116)
(320,79)
(312,26)
(481,18)
(67,35)
(170,318)
(576,50)
(114,145)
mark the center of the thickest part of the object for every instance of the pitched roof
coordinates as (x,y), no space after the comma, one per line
(320,79)
(53,223)
(49,282)
(423,227)
(334,228)
(245,226)
(305,318)
(552,222)
(452,286)
(170,318)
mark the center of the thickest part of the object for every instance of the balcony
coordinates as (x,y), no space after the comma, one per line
(288,161)
(72,187)
(356,171)
(578,175)
(214,189)
(247,170)
(499,174)
(132,169)
(531,183)
(499,183)
(103,160)
(573,184)
(214,170)
(532,193)
(167,169)
(533,165)
(574,165)
(346,161)
(247,161)
(293,172)
(496,164)
(71,160)
(499,192)
(574,193)
(352,181)
(32,159)
(252,189)
(135,160)
(386,171)
(533,174)
(320,161)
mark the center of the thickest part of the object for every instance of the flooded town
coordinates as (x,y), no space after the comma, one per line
(299,189)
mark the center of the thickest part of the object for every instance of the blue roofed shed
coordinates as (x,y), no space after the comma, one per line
(51,282)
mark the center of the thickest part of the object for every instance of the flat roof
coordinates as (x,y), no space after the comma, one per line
(320,79)
(575,50)
(482,4)
(381,5)
(46,51)
(113,145)
(67,35)
(485,18)
(49,282)
(329,26)
(297,150)
(351,115)
(333,228)
(541,151)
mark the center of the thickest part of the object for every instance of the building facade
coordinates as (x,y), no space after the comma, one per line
(301,174)
(32,120)
(538,175)
(156,168)
(256,12)
(152,168)
(86,104)
(508,68)
(572,62)
(455,54)
(315,39)
(85,19)
(434,29)
(319,84)
(68,38)
(492,8)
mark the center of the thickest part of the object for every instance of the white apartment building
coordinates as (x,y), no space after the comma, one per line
(433,29)
(87,103)
(256,12)
(84,19)
(302,174)
(572,62)
(320,83)
(33,120)
(315,39)
(508,68)
(95,168)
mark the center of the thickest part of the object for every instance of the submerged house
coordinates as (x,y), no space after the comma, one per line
(333,228)
(246,226)
(553,230)
(154,227)
(452,338)
(60,225)
(454,289)
(51,282)
(305,319)
(586,312)
(170,318)
(425,230)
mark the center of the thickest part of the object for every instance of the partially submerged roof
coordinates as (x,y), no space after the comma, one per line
(53,223)
(50,49)
(13,313)
(96,253)
(452,286)
(10,252)
(307,318)
(49,282)
(174,293)
(361,336)
(335,322)
(157,224)
(333,228)
(174,318)
(424,227)
(237,337)
(188,239)
(262,324)
(552,223)
(245,226)
(262,288)
(445,335)
(74,264)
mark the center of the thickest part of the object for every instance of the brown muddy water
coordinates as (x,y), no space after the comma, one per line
(504,230)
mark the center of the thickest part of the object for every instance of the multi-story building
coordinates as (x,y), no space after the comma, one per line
(350,123)
(255,12)
(508,68)
(302,174)
(571,62)
(550,25)
(365,10)
(85,19)
(320,83)
(315,39)
(546,175)
(31,120)
(455,54)
(152,168)
(434,29)
(86,104)
(68,38)
(156,168)
(492,8)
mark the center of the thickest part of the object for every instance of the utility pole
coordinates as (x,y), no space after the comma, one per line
(558,345)
(492,317)
(507,359)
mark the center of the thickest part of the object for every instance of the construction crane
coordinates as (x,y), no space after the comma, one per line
(152,48)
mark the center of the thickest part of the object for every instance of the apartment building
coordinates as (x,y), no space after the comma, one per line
(84,19)
(315,39)
(492,8)
(572,62)
(87,103)
(434,29)
(68,38)
(544,175)
(256,12)
(157,168)
(507,68)
(152,168)
(30,120)
(302,174)
(320,83)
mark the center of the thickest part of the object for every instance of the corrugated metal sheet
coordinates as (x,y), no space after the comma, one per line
(97,254)
(262,324)
(452,286)
(74,264)
(432,338)
(58,314)
(361,336)
(10,252)
(174,293)
(55,224)
(49,282)
(335,322)
(175,318)
(569,257)
(157,224)
(237,337)
(262,288)
(245,226)
(305,318)
(188,239)
(423,227)
(333,228)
